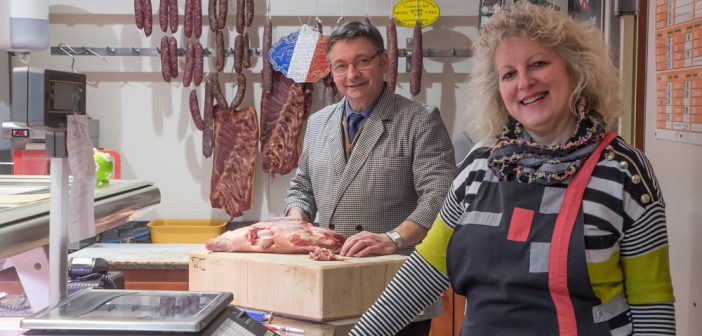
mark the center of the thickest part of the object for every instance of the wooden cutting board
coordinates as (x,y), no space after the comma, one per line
(294,285)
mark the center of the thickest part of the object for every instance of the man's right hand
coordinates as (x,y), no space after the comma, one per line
(366,244)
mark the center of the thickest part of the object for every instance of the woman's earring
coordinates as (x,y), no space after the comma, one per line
(581,108)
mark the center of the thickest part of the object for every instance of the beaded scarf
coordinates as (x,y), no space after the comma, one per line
(516,157)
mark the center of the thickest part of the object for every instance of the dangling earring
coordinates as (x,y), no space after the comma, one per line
(581,108)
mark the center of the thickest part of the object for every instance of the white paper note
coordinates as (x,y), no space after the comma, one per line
(81,197)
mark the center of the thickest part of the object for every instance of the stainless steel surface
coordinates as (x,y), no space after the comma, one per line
(429,52)
(8,126)
(256,52)
(151,52)
(128,310)
(38,135)
(25,226)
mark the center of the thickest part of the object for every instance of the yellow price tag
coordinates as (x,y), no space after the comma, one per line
(405,12)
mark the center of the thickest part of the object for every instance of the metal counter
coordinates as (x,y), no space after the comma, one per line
(24,209)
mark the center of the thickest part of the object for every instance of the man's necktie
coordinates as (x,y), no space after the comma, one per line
(355,120)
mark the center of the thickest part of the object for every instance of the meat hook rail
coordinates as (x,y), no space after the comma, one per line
(256,52)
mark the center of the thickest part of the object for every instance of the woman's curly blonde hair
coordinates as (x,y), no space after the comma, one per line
(595,80)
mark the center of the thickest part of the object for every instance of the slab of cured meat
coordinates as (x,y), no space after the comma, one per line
(283,111)
(280,235)
(236,144)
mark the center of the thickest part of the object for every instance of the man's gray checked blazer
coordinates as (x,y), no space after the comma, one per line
(400,168)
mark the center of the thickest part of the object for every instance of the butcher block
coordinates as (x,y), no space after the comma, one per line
(294,285)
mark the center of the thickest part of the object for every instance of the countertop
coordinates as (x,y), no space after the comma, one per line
(140,256)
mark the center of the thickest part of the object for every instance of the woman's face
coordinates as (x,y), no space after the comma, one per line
(535,87)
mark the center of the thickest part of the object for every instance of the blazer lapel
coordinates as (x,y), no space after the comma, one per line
(335,150)
(373,129)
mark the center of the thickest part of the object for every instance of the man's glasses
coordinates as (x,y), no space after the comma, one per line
(340,69)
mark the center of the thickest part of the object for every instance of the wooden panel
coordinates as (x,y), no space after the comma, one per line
(295,285)
(151,279)
(9,282)
(11,287)
(157,285)
(450,322)
(155,279)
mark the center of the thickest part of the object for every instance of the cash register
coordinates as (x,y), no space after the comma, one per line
(103,312)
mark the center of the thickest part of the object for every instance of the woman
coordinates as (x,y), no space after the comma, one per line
(557,226)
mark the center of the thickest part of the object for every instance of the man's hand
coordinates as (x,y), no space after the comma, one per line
(298,213)
(366,244)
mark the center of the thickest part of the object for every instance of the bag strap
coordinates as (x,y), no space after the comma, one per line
(558,255)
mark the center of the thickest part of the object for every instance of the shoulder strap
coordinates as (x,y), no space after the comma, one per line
(558,256)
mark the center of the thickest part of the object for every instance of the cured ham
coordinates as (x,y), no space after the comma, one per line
(280,235)
(236,148)
(283,111)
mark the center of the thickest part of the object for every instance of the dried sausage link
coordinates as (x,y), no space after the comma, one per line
(173,15)
(173,55)
(188,19)
(238,53)
(240,92)
(195,110)
(139,13)
(219,60)
(189,64)
(165,59)
(163,15)
(197,17)
(391,76)
(246,61)
(240,16)
(208,127)
(216,90)
(199,64)
(222,15)
(212,14)
(148,17)
(416,60)
(249,12)
(267,69)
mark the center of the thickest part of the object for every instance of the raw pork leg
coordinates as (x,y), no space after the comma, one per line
(280,235)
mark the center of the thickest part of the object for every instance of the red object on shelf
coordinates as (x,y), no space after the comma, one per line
(36,162)
(30,162)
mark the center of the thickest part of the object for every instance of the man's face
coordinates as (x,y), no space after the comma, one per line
(362,81)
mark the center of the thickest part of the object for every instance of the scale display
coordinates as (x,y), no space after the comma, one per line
(125,310)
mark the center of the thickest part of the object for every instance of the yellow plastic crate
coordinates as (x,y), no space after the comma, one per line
(185,231)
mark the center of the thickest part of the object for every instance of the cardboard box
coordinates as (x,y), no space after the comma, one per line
(294,285)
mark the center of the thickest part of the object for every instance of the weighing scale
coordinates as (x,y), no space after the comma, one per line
(102,312)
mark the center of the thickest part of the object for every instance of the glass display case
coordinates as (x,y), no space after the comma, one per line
(24,209)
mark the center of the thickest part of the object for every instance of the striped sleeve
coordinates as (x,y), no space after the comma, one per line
(653,319)
(644,253)
(415,286)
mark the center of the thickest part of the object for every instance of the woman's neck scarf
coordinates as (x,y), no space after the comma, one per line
(517,158)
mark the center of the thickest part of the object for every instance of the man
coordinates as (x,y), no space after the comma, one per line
(376,166)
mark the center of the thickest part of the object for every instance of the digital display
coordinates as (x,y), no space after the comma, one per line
(65,97)
(20,133)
